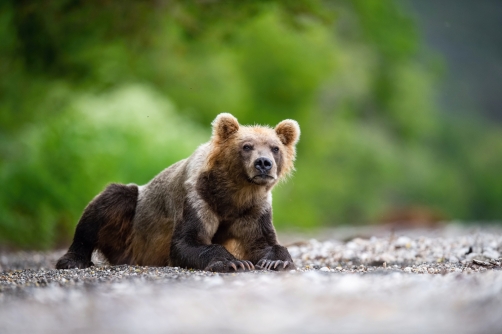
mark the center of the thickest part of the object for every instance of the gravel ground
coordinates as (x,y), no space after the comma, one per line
(441,281)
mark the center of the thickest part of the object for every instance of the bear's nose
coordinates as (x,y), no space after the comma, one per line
(263,165)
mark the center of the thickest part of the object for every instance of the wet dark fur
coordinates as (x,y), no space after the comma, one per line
(104,225)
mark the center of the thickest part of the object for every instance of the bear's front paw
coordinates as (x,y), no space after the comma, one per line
(73,261)
(226,266)
(275,265)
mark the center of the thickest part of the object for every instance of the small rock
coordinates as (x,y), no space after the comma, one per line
(403,241)
(491,253)
(388,257)
(481,263)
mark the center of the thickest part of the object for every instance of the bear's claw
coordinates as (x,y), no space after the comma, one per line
(275,265)
(230,265)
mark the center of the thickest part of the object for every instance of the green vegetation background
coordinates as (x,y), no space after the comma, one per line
(93,92)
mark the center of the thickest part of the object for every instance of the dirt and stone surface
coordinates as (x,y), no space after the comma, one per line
(446,280)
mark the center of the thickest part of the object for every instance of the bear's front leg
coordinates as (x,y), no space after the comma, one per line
(191,246)
(259,240)
(188,254)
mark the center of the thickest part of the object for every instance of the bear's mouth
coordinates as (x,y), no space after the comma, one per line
(261,179)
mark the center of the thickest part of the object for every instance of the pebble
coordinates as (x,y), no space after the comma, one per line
(425,253)
(388,280)
(413,254)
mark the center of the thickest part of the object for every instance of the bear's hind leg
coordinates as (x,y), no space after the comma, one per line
(84,241)
(106,225)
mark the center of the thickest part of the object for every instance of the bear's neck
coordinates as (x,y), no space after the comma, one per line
(224,195)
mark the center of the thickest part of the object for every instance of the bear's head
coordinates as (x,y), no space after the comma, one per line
(257,155)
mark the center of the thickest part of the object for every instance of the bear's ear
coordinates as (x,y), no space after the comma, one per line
(288,132)
(224,125)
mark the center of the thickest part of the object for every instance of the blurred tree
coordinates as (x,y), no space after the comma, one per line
(93,92)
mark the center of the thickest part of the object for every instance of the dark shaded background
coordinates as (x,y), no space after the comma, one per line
(467,34)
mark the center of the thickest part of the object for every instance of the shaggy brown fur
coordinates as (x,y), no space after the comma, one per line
(212,211)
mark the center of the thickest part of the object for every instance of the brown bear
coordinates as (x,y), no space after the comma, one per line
(211,211)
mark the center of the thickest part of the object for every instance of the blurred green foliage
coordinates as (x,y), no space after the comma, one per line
(93,92)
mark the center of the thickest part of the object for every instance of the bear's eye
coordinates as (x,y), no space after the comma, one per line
(247,147)
(275,149)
